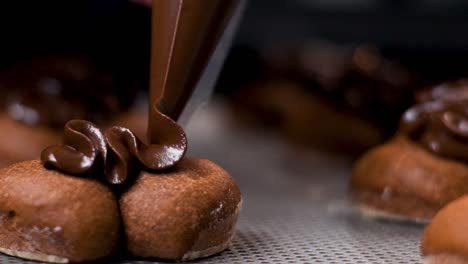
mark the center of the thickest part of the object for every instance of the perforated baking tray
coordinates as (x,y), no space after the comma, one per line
(296,206)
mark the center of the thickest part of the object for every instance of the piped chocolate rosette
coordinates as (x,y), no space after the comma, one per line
(423,167)
(116,151)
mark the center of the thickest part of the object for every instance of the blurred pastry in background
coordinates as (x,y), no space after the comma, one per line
(305,119)
(358,78)
(335,98)
(39,96)
(424,166)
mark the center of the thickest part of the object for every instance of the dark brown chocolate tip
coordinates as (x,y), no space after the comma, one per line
(117,151)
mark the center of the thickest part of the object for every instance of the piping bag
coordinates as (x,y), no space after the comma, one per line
(190,40)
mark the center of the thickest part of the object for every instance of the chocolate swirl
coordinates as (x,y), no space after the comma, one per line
(117,151)
(439,126)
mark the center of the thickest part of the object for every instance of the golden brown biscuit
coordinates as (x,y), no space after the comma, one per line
(48,216)
(445,239)
(183,214)
(402,180)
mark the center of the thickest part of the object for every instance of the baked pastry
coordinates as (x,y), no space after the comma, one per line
(445,239)
(421,169)
(48,216)
(184,214)
(310,121)
(400,180)
(56,217)
(343,100)
(185,210)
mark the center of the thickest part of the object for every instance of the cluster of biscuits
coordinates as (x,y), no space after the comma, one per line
(101,192)
(421,174)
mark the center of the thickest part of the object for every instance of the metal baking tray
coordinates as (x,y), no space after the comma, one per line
(296,204)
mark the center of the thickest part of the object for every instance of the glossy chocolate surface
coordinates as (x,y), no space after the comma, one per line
(440,126)
(117,151)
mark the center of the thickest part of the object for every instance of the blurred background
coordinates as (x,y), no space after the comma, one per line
(333,75)
(337,74)
(307,87)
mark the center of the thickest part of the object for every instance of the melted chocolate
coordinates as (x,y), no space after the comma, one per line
(185,33)
(117,151)
(439,126)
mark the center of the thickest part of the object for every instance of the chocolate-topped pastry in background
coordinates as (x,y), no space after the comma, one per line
(316,95)
(362,79)
(39,96)
(424,166)
(305,119)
